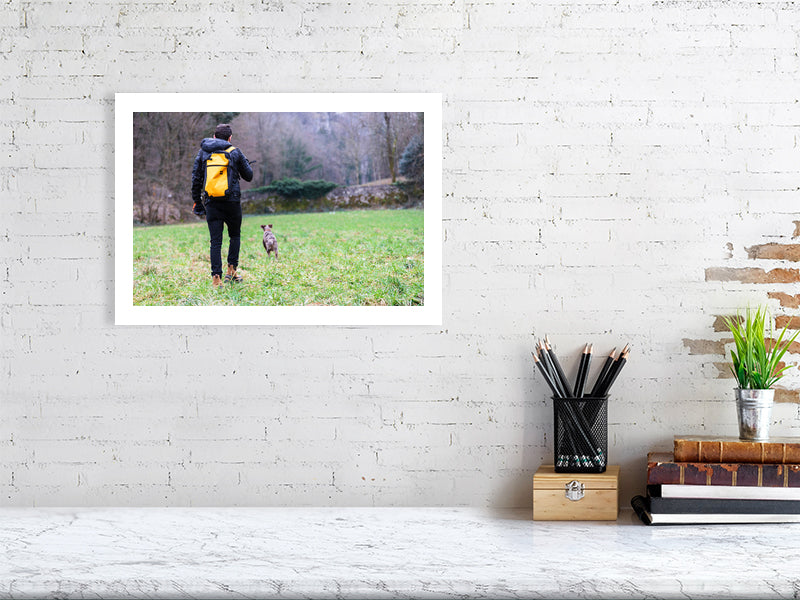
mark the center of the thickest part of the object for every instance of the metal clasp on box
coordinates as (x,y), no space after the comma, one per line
(573,490)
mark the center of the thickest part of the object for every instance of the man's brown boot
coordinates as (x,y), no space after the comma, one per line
(216,281)
(232,275)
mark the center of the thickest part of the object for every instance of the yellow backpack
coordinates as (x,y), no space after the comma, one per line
(217,182)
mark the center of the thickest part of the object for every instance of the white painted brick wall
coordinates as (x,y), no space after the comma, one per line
(598,158)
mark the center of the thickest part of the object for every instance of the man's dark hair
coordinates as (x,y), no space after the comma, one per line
(223,131)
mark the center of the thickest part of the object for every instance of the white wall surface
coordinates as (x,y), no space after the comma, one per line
(600,161)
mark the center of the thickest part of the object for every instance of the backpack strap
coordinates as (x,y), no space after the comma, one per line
(230,149)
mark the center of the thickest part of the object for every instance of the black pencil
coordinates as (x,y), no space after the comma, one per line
(602,375)
(564,382)
(605,384)
(614,373)
(545,374)
(550,369)
(583,370)
(581,363)
(540,354)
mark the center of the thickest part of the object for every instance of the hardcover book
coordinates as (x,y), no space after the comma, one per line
(741,492)
(642,508)
(662,468)
(689,448)
(721,506)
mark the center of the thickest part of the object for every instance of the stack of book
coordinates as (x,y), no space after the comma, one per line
(722,480)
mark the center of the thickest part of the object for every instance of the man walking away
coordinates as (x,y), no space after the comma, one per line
(216,194)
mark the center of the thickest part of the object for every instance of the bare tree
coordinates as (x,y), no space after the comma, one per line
(354,142)
(391,147)
(164,147)
(259,135)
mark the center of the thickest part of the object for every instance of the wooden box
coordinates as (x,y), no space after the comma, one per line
(575,496)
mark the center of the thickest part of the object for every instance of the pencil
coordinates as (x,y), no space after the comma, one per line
(559,370)
(605,385)
(601,376)
(540,354)
(583,370)
(545,374)
(547,360)
(614,373)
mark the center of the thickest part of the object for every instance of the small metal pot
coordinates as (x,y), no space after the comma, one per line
(754,409)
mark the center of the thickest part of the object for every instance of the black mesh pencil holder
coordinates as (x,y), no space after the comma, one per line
(581,435)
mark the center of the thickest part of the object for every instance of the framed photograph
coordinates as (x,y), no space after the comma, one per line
(278,209)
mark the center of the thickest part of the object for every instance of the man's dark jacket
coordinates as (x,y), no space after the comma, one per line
(240,167)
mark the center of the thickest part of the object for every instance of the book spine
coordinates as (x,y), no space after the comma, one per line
(719,451)
(730,474)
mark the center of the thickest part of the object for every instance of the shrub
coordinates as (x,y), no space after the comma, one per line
(294,188)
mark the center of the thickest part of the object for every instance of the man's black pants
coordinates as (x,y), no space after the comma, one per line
(218,214)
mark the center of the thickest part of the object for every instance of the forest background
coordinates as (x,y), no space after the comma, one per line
(304,161)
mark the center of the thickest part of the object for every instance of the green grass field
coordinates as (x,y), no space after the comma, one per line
(346,258)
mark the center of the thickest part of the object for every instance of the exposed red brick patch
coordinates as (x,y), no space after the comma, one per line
(775,252)
(780,322)
(752,275)
(787,321)
(723,370)
(786,300)
(794,347)
(706,346)
(719,322)
(782,395)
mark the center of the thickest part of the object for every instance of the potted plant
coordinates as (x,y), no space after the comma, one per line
(755,366)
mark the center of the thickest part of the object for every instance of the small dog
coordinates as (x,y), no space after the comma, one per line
(270,241)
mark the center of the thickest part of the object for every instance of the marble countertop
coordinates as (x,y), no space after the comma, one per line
(383,553)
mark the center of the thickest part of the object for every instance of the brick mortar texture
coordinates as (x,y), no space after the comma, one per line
(600,159)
